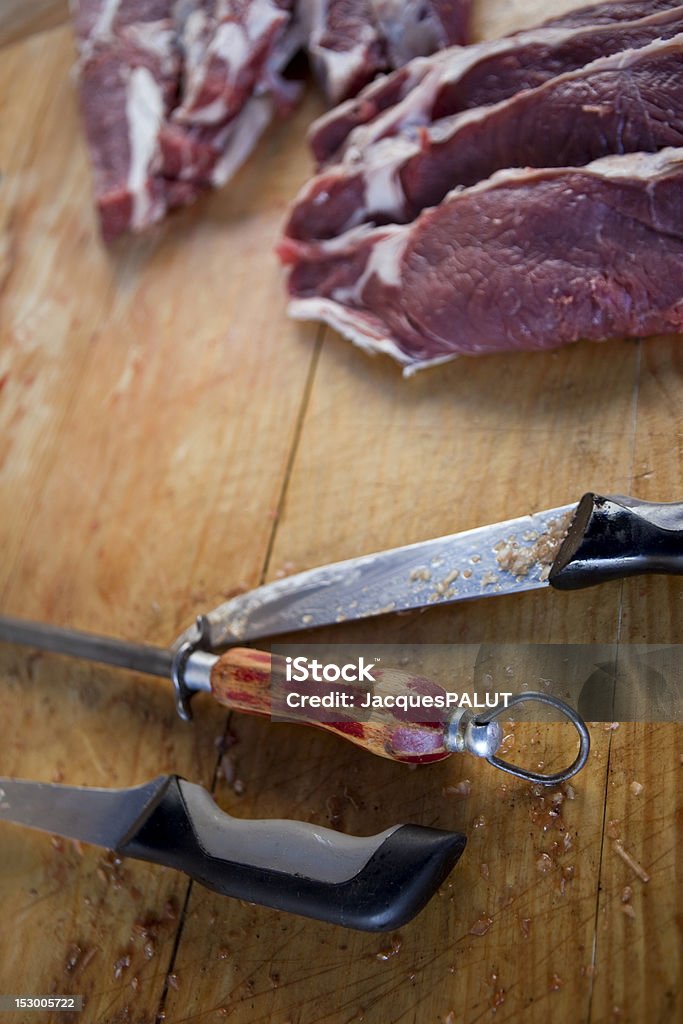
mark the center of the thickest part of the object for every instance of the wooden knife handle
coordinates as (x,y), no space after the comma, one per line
(254,682)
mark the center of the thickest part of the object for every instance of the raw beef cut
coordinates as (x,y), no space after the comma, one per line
(626,103)
(174,95)
(461,78)
(129,71)
(350,41)
(233,53)
(225,47)
(530,259)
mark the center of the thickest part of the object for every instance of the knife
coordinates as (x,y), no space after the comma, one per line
(374,883)
(573,546)
(592,541)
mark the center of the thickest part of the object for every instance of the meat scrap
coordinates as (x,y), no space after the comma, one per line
(351,41)
(233,53)
(461,78)
(530,259)
(625,103)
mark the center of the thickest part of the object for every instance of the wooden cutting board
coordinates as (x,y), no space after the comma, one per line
(168,437)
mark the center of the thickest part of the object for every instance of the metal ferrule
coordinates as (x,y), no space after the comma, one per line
(198,671)
(190,674)
(464,734)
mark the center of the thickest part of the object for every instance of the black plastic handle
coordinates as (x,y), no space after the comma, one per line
(372,884)
(615,537)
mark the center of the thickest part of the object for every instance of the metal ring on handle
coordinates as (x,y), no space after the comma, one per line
(183,693)
(569,713)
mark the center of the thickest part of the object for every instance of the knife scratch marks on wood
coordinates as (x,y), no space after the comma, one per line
(26,910)
(96,759)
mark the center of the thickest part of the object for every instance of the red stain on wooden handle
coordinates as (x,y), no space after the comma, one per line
(254,682)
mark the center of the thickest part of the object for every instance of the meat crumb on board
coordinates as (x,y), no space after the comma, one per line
(481,925)
(498,994)
(544,864)
(461,790)
(390,951)
(519,561)
(78,958)
(626,905)
(637,868)
(121,965)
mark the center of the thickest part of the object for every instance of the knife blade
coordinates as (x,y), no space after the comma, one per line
(373,883)
(459,567)
(582,544)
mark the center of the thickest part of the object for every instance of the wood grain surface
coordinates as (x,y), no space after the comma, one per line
(168,437)
(21,18)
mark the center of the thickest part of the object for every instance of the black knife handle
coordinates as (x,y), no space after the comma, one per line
(373,884)
(615,537)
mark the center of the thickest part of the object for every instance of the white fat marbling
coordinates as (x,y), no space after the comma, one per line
(144,113)
(383,190)
(231,44)
(156,38)
(105,19)
(354,326)
(245,131)
(383,263)
(261,16)
(407,33)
